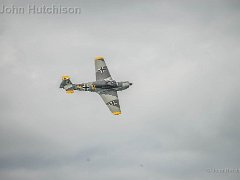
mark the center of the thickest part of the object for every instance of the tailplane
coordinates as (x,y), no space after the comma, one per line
(67,84)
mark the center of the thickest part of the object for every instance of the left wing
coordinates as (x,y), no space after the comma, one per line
(110,98)
(102,72)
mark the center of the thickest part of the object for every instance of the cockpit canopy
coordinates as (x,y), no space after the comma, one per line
(105,84)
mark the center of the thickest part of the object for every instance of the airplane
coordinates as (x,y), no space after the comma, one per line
(104,85)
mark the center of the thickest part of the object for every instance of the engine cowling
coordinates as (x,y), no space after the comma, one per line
(124,85)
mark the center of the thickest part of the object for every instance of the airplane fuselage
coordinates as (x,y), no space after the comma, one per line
(97,86)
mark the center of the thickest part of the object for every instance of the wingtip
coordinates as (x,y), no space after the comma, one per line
(99,58)
(117,113)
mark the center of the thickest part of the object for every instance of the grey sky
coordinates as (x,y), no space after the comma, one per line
(180,118)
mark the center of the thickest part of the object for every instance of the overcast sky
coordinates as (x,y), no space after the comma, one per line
(179,119)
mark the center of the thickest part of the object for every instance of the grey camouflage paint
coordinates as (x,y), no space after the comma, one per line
(104,85)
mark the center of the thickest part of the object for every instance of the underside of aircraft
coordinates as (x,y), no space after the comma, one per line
(104,85)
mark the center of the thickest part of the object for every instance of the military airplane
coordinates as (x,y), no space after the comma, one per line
(104,85)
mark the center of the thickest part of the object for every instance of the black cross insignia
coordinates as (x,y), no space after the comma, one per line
(85,87)
(113,103)
(102,69)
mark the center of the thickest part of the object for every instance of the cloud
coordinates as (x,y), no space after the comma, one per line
(179,119)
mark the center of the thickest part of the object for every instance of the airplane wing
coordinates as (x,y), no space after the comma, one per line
(102,71)
(110,98)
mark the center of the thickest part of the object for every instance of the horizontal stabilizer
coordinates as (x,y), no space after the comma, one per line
(67,84)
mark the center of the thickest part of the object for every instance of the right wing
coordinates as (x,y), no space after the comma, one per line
(110,98)
(102,72)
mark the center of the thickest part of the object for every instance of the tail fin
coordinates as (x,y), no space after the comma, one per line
(67,84)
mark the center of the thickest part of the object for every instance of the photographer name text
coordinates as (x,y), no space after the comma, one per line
(42,9)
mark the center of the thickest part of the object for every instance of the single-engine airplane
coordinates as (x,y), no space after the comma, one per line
(104,85)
